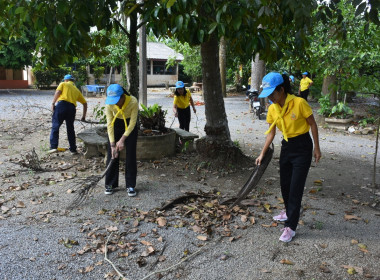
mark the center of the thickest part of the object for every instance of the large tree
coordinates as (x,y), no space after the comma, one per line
(63,29)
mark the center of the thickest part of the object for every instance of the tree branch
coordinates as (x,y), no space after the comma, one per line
(122,27)
(140,24)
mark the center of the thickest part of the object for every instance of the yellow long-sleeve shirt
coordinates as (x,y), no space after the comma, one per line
(130,109)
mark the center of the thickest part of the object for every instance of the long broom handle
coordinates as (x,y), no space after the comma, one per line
(108,168)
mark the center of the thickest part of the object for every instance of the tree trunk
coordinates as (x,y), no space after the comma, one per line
(142,66)
(257,75)
(134,73)
(110,77)
(222,65)
(217,143)
(376,151)
(328,87)
(127,75)
(257,72)
(216,119)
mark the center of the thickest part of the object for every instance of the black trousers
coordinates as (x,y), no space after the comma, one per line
(184,116)
(305,93)
(295,161)
(112,176)
(64,111)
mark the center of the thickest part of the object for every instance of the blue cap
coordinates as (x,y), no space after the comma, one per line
(68,77)
(179,84)
(292,78)
(305,73)
(114,92)
(270,82)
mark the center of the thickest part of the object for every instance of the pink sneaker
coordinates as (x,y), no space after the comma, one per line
(282,217)
(287,234)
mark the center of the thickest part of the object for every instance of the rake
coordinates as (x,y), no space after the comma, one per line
(254,178)
(86,185)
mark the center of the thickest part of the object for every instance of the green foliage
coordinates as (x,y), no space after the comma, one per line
(152,117)
(192,63)
(80,76)
(44,78)
(99,113)
(98,73)
(16,54)
(341,111)
(325,106)
(364,122)
(237,143)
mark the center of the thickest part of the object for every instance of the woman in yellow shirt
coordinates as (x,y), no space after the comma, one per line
(305,84)
(121,112)
(181,105)
(293,116)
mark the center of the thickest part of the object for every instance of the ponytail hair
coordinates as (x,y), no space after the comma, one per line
(125,91)
(285,85)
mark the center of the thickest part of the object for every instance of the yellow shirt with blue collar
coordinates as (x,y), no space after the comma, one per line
(294,118)
(129,110)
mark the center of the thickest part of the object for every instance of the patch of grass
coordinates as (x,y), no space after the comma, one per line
(318,225)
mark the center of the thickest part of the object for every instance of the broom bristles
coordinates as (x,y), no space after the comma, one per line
(85,187)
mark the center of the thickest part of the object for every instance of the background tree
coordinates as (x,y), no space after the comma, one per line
(16,54)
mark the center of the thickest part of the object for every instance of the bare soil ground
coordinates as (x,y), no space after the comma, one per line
(198,238)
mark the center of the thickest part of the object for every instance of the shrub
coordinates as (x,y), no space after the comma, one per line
(153,117)
(44,78)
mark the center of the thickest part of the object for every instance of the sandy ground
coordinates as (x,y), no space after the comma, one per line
(337,238)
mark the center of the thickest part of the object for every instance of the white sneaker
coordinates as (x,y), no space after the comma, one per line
(131,192)
(51,151)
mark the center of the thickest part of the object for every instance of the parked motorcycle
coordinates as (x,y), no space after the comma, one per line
(254,103)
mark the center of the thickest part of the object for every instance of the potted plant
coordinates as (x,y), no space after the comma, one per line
(338,116)
(155,140)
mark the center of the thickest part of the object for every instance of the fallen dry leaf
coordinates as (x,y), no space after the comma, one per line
(324,269)
(285,261)
(353,269)
(252,220)
(111,228)
(89,269)
(351,217)
(354,241)
(243,218)
(161,221)
(20,204)
(318,182)
(197,228)
(146,243)
(202,237)
(62,266)
(161,258)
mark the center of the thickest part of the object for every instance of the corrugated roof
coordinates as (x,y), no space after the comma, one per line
(161,51)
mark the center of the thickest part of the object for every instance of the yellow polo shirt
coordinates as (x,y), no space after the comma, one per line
(304,83)
(182,101)
(295,117)
(130,109)
(70,93)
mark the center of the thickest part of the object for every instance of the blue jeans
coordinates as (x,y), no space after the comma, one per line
(64,111)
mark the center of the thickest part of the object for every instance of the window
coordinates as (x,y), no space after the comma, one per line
(159,68)
(148,67)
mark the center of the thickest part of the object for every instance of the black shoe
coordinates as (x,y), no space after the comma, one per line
(131,192)
(108,190)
